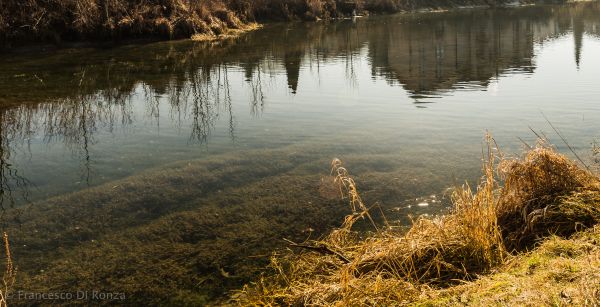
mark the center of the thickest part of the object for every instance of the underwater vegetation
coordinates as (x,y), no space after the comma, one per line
(189,232)
(540,209)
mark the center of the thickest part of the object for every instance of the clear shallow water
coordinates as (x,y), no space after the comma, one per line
(404,100)
(427,82)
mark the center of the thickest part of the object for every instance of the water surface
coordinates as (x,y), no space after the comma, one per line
(145,148)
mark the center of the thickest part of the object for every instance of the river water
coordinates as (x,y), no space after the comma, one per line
(169,171)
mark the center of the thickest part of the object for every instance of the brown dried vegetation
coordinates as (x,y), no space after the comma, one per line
(518,203)
(52,20)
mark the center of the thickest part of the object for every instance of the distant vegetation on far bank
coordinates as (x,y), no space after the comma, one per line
(74,20)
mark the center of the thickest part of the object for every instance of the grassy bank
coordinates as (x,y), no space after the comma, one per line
(559,272)
(37,20)
(527,233)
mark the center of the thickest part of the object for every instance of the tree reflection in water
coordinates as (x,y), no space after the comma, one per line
(69,98)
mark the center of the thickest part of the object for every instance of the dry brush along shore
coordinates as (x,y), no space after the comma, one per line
(526,235)
(34,21)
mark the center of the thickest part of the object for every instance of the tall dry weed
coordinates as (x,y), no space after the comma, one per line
(9,277)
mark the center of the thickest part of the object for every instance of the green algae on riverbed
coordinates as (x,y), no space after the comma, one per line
(190,232)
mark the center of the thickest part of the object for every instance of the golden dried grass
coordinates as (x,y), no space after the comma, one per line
(544,192)
(515,205)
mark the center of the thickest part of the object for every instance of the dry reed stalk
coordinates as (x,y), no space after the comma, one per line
(10,272)
(348,189)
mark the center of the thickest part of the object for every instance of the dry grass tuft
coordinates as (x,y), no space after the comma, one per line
(544,192)
(227,34)
(540,194)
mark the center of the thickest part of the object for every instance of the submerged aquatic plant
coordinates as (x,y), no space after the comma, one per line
(517,203)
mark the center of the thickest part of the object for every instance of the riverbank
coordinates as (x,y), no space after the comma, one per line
(527,235)
(35,21)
